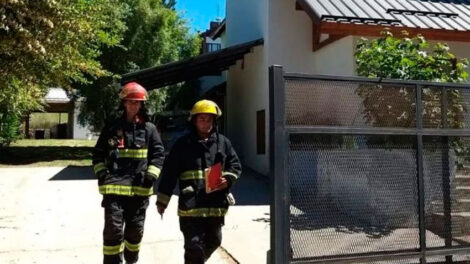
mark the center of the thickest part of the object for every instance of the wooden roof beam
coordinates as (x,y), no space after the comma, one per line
(331,38)
(334,28)
(317,26)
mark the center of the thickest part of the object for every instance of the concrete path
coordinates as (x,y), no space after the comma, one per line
(247,230)
(53,215)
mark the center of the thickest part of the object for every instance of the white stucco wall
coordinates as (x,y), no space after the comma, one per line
(209,40)
(246,20)
(80,132)
(246,96)
(287,34)
(247,80)
(290,44)
(223,39)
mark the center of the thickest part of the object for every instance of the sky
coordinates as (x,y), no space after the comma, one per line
(199,13)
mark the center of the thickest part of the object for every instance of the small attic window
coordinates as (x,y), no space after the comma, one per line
(420,13)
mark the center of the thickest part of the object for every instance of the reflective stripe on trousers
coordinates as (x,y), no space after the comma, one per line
(113,250)
(125,190)
(203,212)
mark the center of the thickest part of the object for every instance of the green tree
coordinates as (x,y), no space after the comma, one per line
(408,59)
(9,125)
(51,43)
(155,35)
(411,59)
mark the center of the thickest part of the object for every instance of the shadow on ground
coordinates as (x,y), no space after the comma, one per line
(321,217)
(28,155)
(251,189)
(74,173)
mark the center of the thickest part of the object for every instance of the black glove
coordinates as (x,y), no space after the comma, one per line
(149,176)
(102,173)
(219,157)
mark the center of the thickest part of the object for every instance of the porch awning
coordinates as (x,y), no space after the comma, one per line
(212,63)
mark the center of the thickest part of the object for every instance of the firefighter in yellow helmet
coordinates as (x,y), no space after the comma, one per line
(205,107)
(201,209)
(127,160)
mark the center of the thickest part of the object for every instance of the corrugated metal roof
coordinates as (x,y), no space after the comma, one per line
(434,14)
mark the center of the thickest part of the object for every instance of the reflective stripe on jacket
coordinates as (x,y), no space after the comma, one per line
(187,163)
(128,158)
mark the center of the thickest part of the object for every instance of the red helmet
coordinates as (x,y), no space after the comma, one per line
(133,91)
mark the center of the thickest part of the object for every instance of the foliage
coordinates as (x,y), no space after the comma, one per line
(51,43)
(155,35)
(9,125)
(410,59)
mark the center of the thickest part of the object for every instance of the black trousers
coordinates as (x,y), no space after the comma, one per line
(202,236)
(124,219)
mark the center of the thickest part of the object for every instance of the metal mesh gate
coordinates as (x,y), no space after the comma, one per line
(368,170)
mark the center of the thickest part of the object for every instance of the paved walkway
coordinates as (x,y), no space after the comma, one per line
(53,215)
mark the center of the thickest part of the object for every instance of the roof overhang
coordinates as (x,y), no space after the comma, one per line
(56,96)
(374,30)
(337,27)
(212,63)
(219,30)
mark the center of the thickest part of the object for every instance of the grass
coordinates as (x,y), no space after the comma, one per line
(54,143)
(47,153)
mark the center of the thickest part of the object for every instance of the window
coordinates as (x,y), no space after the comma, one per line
(261,132)
(210,47)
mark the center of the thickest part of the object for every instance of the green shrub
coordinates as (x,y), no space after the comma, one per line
(9,128)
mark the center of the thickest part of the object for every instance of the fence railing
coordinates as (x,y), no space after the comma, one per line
(368,170)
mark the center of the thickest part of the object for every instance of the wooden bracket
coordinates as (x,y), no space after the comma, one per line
(316,35)
(329,40)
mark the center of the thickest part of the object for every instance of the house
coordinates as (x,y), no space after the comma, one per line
(58,102)
(212,86)
(308,36)
(317,37)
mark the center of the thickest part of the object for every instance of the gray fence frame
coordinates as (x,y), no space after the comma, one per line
(280,188)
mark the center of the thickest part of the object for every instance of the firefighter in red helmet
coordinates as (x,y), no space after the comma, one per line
(127,159)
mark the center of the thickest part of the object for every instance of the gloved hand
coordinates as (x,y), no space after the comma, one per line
(101,173)
(161,208)
(223,184)
(149,176)
(230,199)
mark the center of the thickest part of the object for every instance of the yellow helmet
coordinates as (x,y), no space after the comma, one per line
(205,107)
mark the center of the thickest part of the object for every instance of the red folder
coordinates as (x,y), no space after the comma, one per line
(213,177)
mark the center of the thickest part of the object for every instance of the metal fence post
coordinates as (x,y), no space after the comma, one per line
(447,202)
(279,227)
(420,168)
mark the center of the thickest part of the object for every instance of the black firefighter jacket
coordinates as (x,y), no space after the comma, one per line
(187,163)
(128,158)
